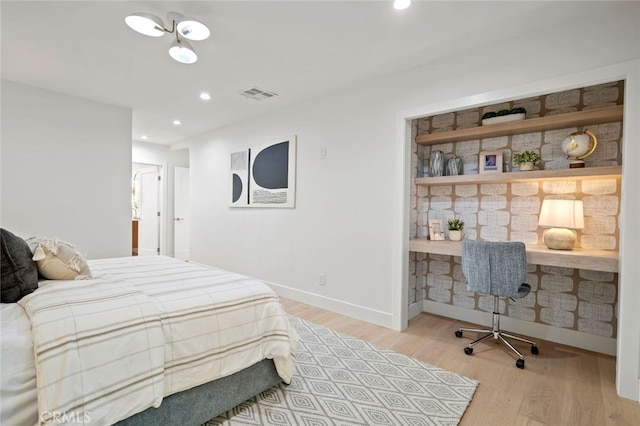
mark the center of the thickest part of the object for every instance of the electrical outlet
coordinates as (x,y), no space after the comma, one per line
(322,280)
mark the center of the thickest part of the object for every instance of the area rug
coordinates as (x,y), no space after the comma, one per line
(341,380)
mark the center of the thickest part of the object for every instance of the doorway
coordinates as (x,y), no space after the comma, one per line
(146,202)
(181,213)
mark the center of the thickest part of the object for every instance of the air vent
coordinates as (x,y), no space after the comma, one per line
(257,94)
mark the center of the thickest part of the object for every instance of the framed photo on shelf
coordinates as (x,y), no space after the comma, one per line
(490,162)
(436,230)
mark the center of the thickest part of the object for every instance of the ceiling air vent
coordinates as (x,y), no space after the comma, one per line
(257,94)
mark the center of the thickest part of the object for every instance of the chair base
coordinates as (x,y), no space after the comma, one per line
(498,335)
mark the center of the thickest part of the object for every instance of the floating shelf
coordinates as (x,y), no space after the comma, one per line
(613,172)
(579,258)
(550,122)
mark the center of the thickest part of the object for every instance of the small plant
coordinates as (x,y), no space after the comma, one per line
(525,157)
(455,224)
(503,112)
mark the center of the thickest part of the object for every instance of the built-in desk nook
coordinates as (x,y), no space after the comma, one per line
(574,292)
(537,254)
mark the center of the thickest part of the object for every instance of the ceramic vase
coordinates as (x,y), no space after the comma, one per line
(524,167)
(436,163)
(454,166)
(455,235)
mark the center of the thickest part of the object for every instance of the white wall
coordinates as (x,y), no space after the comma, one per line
(162,155)
(66,167)
(351,212)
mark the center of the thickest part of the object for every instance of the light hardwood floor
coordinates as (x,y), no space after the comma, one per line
(560,386)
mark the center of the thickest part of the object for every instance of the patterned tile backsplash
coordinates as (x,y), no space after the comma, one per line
(581,300)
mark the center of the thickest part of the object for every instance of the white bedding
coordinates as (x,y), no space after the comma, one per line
(214,323)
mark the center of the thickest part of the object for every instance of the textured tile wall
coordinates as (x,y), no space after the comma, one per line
(563,297)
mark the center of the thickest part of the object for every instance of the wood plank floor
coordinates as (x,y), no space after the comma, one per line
(560,386)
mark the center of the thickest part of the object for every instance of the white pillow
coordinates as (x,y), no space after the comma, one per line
(58,260)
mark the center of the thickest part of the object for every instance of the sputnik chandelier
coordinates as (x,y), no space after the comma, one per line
(188,28)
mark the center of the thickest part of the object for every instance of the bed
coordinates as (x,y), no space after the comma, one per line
(146,340)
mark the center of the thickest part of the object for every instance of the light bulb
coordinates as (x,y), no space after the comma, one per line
(401,4)
(193,30)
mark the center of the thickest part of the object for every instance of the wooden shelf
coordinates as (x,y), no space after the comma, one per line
(538,175)
(594,260)
(551,122)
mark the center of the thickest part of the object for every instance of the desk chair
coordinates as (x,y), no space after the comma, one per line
(499,269)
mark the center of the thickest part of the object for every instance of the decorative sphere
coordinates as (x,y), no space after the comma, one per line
(579,145)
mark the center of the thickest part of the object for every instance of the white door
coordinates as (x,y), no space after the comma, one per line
(181,213)
(149,212)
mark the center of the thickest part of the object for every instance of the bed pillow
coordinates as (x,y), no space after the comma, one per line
(19,271)
(58,260)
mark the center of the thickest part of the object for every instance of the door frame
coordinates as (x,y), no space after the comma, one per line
(162,200)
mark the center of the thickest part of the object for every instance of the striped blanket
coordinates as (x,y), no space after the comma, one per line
(207,323)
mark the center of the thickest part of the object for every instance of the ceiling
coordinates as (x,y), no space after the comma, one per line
(297,49)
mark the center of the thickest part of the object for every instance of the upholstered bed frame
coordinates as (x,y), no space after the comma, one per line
(198,405)
(142,332)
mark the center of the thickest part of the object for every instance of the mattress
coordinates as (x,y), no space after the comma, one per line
(215,323)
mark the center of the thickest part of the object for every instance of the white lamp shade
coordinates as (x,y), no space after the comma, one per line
(561,214)
(145,23)
(182,52)
(193,29)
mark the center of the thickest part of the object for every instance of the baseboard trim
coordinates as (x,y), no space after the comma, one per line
(604,345)
(415,309)
(383,319)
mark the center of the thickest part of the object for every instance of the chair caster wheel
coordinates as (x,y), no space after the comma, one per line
(468,350)
(534,350)
(520,363)
(458,334)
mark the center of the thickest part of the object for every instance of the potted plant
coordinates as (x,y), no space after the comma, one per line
(525,160)
(455,229)
(504,115)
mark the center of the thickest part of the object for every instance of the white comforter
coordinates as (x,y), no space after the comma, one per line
(212,323)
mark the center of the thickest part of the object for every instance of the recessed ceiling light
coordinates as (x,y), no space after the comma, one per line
(145,137)
(205,96)
(177,122)
(401,4)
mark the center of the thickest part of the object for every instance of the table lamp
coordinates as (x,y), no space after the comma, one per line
(561,216)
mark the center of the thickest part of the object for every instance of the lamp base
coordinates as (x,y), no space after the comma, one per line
(559,239)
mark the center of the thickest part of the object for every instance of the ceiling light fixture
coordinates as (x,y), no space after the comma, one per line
(401,4)
(205,96)
(189,28)
(177,122)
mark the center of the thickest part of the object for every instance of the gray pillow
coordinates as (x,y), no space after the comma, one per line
(19,271)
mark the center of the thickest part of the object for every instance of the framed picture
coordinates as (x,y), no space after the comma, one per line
(490,162)
(264,175)
(436,230)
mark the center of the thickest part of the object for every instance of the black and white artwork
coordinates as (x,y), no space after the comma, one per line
(264,176)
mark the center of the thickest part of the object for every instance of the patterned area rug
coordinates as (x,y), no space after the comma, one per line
(345,381)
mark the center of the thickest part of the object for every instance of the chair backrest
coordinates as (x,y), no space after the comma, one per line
(496,268)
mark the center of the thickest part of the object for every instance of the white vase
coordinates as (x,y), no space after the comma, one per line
(523,167)
(455,235)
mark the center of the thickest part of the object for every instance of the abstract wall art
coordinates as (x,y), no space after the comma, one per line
(264,176)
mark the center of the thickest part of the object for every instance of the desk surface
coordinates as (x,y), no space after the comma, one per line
(593,260)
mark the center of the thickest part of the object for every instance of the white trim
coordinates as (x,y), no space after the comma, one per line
(383,319)
(416,309)
(400,240)
(564,336)
(628,342)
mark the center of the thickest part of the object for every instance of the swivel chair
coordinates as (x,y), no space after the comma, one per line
(499,269)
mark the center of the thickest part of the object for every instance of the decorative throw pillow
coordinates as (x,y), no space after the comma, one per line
(19,271)
(58,260)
